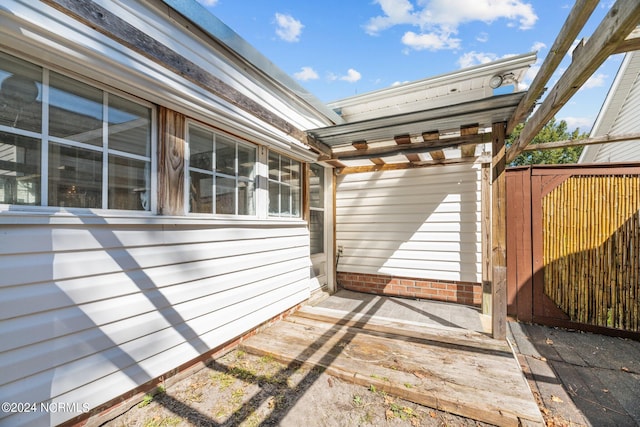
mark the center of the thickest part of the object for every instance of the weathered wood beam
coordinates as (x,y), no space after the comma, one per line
(619,22)
(499,233)
(171,158)
(320,147)
(407,165)
(437,155)
(413,148)
(578,16)
(468,150)
(632,42)
(406,140)
(433,136)
(606,139)
(378,161)
(336,164)
(360,145)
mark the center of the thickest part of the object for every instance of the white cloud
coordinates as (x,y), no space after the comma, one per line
(439,19)
(208,2)
(584,123)
(538,46)
(305,74)
(429,41)
(352,76)
(482,37)
(595,81)
(472,58)
(289,28)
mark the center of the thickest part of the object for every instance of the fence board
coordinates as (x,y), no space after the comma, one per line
(584,247)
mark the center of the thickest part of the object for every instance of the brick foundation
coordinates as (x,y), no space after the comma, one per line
(467,293)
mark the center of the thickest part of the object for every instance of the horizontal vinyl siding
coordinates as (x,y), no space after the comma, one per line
(90,312)
(422,223)
(625,122)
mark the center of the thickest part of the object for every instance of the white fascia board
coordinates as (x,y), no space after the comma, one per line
(47,35)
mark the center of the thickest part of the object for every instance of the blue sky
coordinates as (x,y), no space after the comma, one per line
(336,49)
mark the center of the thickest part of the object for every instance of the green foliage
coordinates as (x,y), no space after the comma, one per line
(552,131)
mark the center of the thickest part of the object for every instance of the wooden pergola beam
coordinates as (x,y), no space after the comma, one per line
(468,150)
(606,139)
(619,22)
(578,16)
(413,148)
(632,42)
(407,165)
(406,140)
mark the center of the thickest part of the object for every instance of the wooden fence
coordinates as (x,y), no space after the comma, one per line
(584,246)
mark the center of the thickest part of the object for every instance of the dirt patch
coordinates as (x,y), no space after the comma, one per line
(241,389)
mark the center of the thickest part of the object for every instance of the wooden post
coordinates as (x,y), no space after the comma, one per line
(171,152)
(486,238)
(498,233)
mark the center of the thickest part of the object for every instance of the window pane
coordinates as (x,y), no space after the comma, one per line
(316,231)
(75,177)
(201,193)
(225,156)
(128,188)
(285,200)
(246,198)
(274,165)
(295,201)
(200,149)
(291,172)
(274,198)
(129,126)
(20,94)
(19,169)
(75,110)
(316,186)
(246,161)
(225,195)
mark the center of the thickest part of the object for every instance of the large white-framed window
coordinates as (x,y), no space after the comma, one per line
(284,186)
(222,173)
(66,143)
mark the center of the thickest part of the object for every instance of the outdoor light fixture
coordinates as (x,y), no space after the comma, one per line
(495,81)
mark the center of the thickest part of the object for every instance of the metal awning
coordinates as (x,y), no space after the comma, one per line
(483,112)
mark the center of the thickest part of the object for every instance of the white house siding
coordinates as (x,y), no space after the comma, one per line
(92,308)
(423,224)
(619,116)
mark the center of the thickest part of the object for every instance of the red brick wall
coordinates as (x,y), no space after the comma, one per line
(467,293)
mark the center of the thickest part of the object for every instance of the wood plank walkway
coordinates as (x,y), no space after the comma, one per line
(460,371)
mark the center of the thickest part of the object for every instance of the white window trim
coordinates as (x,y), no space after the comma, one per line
(46,140)
(187,181)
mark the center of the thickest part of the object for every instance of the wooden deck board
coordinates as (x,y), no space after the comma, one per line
(455,336)
(482,384)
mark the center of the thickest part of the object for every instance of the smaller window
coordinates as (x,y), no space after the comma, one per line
(284,186)
(221,174)
(316,208)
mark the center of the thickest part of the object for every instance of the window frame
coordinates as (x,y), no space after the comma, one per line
(215,174)
(281,182)
(46,140)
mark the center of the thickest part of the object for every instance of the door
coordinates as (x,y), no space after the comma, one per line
(321,227)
